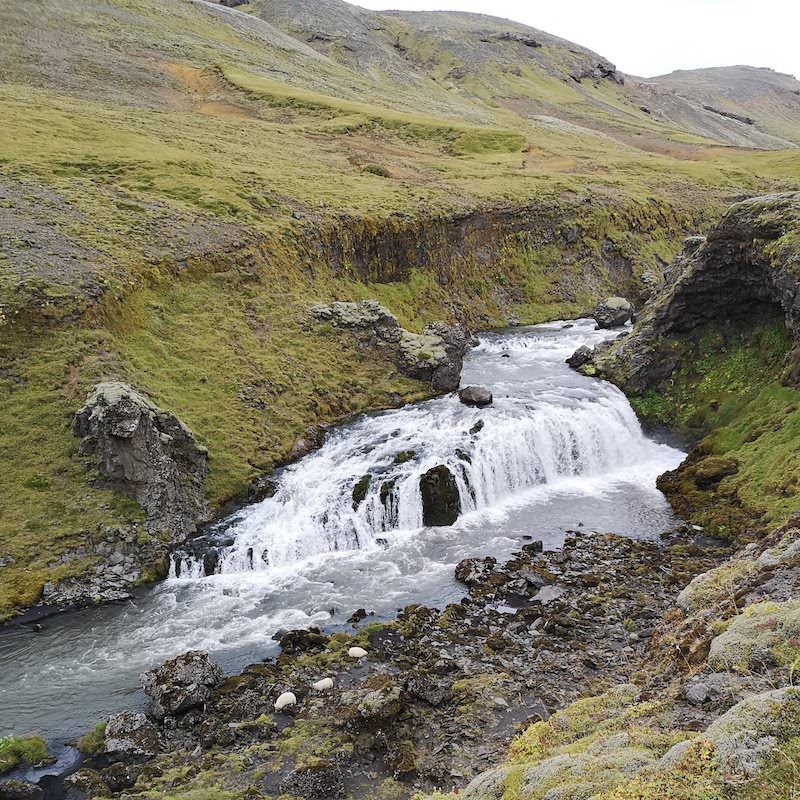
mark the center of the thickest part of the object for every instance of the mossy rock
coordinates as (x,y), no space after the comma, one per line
(763,637)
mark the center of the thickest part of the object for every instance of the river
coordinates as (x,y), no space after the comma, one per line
(556,451)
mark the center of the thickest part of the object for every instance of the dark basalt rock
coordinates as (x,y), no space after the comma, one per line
(441,502)
(582,356)
(478,396)
(184,683)
(360,490)
(303,641)
(145,453)
(321,781)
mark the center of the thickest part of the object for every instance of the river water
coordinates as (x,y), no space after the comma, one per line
(556,451)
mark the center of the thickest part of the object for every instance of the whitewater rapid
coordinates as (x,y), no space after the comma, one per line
(555,451)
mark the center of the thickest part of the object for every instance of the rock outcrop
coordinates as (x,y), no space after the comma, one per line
(612,312)
(748,267)
(180,685)
(441,502)
(435,356)
(145,453)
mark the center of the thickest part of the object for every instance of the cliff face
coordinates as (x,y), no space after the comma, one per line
(716,354)
(747,269)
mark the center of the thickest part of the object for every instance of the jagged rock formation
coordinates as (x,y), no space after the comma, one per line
(179,685)
(145,453)
(747,268)
(435,356)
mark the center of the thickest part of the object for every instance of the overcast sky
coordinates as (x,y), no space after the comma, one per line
(646,38)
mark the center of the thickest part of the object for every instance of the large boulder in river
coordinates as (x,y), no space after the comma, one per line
(181,684)
(478,396)
(145,453)
(434,356)
(612,312)
(441,502)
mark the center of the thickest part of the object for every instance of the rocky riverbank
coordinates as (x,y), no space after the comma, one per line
(439,695)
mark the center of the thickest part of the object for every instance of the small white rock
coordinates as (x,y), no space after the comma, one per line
(356,652)
(324,685)
(286,699)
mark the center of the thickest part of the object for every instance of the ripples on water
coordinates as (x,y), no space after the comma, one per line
(556,451)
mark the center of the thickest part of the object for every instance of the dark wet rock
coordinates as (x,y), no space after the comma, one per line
(357,616)
(20,790)
(303,641)
(85,784)
(745,270)
(311,440)
(145,453)
(323,780)
(130,737)
(435,356)
(582,356)
(612,312)
(261,488)
(183,683)
(119,776)
(360,490)
(404,456)
(478,396)
(441,502)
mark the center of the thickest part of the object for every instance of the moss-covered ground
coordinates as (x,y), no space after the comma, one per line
(727,391)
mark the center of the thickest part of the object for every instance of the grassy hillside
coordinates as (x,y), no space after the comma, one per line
(769,100)
(179,182)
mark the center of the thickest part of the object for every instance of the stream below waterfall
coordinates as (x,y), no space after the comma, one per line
(556,451)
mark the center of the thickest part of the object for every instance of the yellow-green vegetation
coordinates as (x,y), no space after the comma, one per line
(93,742)
(728,388)
(617,747)
(764,636)
(26,750)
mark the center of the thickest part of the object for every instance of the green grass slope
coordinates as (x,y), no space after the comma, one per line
(179,182)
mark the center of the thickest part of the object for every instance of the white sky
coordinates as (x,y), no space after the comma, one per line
(645,38)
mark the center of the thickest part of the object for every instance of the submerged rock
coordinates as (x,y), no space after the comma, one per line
(612,312)
(145,453)
(441,502)
(478,396)
(181,684)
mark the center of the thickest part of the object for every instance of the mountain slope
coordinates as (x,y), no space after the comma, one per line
(764,99)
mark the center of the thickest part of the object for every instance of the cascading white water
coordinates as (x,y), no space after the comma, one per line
(534,433)
(556,451)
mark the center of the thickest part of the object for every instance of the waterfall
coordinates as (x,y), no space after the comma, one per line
(362,485)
